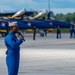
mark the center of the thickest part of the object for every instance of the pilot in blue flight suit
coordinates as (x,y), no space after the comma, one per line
(58,32)
(74,30)
(71,32)
(13,49)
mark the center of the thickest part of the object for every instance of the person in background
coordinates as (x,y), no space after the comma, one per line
(71,31)
(48,15)
(45,32)
(58,32)
(34,33)
(74,30)
(13,49)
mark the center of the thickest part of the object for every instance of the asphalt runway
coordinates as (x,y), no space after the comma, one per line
(44,56)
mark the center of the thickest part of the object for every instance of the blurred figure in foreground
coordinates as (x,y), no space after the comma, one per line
(13,49)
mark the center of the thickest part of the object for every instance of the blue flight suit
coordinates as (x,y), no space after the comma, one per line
(74,32)
(71,32)
(58,33)
(13,56)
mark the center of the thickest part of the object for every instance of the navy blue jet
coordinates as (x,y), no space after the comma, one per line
(30,24)
(53,21)
(21,25)
(4,22)
(38,23)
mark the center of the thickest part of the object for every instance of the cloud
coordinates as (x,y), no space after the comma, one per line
(6,8)
(38,1)
(17,4)
(24,1)
(55,5)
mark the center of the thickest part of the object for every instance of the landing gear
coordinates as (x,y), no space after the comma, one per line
(3,34)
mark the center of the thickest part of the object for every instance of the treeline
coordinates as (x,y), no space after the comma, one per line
(70,17)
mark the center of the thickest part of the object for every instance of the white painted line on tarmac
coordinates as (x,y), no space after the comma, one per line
(43,53)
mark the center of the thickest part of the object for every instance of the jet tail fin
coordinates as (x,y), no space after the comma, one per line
(18,13)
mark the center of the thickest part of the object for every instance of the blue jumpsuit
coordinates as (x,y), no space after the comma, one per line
(13,56)
(71,32)
(74,32)
(58,33)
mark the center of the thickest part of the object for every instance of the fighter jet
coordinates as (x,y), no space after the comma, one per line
(31,21)
(53,22)
(4,22)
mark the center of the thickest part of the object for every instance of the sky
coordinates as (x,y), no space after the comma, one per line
(57,6)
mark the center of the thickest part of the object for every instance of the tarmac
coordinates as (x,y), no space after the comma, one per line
(43,56)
